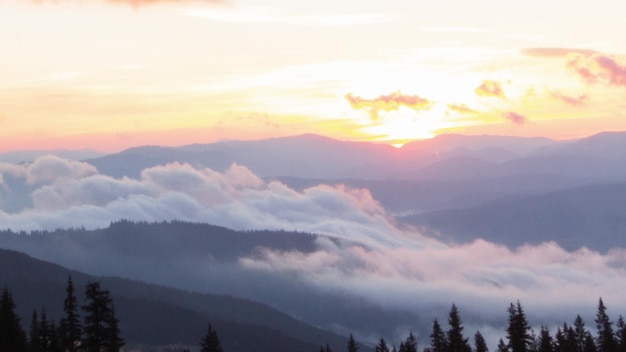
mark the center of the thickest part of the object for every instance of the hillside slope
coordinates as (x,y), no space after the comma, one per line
(155,315)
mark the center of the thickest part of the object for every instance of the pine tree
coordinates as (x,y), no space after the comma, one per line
(605,339)
(456,341)
(113,341)
(590,344)
(580,333)
(533,342)
(382,346)
(101,330)
(546,343)
(402,348)
(12,335)
(479,343)
(410,344)
(518,329)
(211,343)
(70,327)
(352,347)
(94,324)
(34,337)
(45,332)
(55,343)
(438,341)
(566,339)
(559,340)
(502,347)
(621,334)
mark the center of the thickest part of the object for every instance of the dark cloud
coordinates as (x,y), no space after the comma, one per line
(555,52)
(515,118)
(489,88)
(389,102)
(599,69)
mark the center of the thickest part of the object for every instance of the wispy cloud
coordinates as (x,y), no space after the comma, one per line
(264,15)
(134,3)
(456,29)
(554,52)
(569,99)
(462,108)
(389,102)
(515,118)
(598,68)
(489,88)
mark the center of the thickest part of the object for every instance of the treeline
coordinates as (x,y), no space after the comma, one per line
(98,331)
(520,337)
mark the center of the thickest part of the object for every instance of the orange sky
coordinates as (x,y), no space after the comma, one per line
(111,74)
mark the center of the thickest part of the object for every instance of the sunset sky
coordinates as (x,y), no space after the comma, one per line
(111,74)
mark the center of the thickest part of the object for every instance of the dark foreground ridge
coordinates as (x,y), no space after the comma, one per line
(151,315)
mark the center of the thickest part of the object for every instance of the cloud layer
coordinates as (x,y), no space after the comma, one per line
(363,255)
(66,193)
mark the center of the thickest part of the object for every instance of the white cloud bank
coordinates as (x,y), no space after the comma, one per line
(73,194)
(372,258)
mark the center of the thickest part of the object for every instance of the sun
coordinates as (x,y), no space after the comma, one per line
(404,125)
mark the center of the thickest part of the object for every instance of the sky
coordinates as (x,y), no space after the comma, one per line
(112,74)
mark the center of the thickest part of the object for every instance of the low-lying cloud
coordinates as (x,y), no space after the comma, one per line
(67,193)
(389,102)
(362,255)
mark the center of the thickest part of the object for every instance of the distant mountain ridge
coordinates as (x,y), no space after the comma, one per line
(592,216)
(317,157)
(25,156)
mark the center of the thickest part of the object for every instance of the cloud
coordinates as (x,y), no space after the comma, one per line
(515,118)
(571,100)
(554,52)
(389,102)
(270,16)
(598,69)
(137,3)
(362,255)
(48,168)
(73,194)
(489,88)
(462,108)
(481,277)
